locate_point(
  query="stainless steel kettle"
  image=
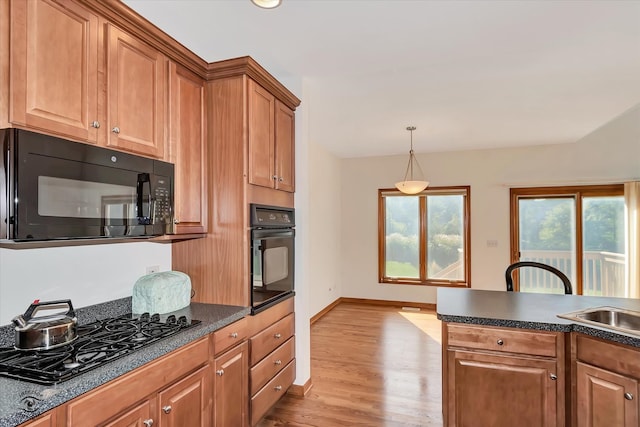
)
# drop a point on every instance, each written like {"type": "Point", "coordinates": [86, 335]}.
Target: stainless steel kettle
{"type": "Point", "coordinates": [45, 332]}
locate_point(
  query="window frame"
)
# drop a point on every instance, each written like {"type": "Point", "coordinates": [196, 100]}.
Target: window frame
{"type": "Point", "coordinates": [422, 226]}
{"type": "Point", "coordinates": [578, 192]}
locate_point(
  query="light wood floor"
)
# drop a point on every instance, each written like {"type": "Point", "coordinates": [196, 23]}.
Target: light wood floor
{"type": "Point", "coordinates": [370, 366]}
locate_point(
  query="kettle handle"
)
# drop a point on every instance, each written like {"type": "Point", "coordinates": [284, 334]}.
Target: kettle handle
{"type": "Point", "coordinates": [28, 315]}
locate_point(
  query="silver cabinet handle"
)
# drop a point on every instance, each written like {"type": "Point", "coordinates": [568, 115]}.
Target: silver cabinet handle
{"type": "Point", "coordinates": [277, 336]}
{"type": "Point", "coordinates": [628, 396]}
{"type": "Point", "coordinates": [278, 388]}
{"type": "Point", "coordinates": [96, 124]}
{"type": "Point", "coordinates": [281, 179]}
{"type": "Point", "coordinates": [166, 409]}
{"type": "Point", "coordinates": [553, 377]}
{"type": "Point", "coordinates": [176, 221]}
{"type": "Point", "coordinates": [277, 362]}
{"type": "Point", "coordinates": [500, 342]}
{"type": "Point", "coordinates": [233, 335]}
{"type": "Point", "coordinates": [116, 130]}
{"type": "Point", "coordinates": [220, 372]}
{"type": "Point", "coordinates": [274, 177]}
{"type": "Point", "coordinates": [148, 423]}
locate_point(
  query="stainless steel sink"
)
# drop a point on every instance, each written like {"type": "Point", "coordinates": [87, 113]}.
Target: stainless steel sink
{"type": "Point", "coordinates": [608, 317]}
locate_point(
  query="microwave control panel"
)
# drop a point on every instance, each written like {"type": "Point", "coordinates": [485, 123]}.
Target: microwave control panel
{"type": "Point", "coordinates": [162, 197]}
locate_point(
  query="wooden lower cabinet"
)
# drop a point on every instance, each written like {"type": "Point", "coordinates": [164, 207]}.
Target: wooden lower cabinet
{"type": "Point", "coordinates": [607, 377]}
{"type": "Point", "coordinates": [502, 377]}
{"type": "Point", "coordinates": [187, 403]}
{"type": "Point", "coordinates": [139, 416]}
{"type": "Point", "coordinates": [46, 420]}
{"type": "Point", "coordinates": [272, 359]}
{"type": "Point", "coordinates": [231, 387]}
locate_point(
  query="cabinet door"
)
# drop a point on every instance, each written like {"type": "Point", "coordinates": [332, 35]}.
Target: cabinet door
{"type": "Point", "coordinates": [261, 136]}
{"type": "Point", "coordinates": [605, 398]}
{"type": "Point", "coordinates": [53, 62]}
{"type": "Point", "coordinates": [187, 149]}
{"type": "Point", "coordinates": [187, 403]}
{"type": "Point", "coordinates": [284, 148]}
{"type": "Point", "coordinates": [46, 420]}
{"type": "Point", "coordinates": [232, 387]}
{"type": "Point", "coordinates": [139, 416]}
{"type": "Point", "coordinates": [501, 390]}
{"type": "Point", "coordinates": [135, 94]}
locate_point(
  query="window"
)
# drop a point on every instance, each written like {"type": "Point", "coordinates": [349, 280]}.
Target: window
{"type": "Point", "coordinates": [423, 239]}
{"type": "Point", "coordinates": [579, 230]}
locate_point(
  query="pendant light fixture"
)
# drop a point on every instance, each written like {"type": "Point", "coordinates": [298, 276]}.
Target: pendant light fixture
{"type": "Point", "coordinates": [412, 184]}
{"type": "Point", "coordinates": [267, 4]}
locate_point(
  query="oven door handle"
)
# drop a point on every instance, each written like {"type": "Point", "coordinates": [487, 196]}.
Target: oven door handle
{"type": "Point", "coordinates": [266, 233]}
{"type": "Point", "coordinates": [142, 218]}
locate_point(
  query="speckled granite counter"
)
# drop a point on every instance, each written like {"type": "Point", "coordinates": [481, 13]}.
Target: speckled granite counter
{"type": "Point", "coordinates": [529, 311]}
{"type": "Point", "coordinates": [21, 401]}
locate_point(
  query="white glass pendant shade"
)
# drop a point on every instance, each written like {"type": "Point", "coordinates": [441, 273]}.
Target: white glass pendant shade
{"type": "Point", "coordinates": [267, 4]}
{"type": "Point", "coordinates": [412, 184]}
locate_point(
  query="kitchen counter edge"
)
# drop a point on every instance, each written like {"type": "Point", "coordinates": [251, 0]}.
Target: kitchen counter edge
{"type": "Point", "coordinates": [529, 311]}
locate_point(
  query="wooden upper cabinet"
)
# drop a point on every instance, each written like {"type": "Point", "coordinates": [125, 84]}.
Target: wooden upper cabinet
{"type": "Point", "coordinates": [285, 148]}
{"type": "Point", "coordinates": [136, 87]}
{"type": "Point", "coordinates": [53, 63]}
{"type": "Point", "coordinates": [261, 136]}
{"type": "Point", "coordinates": [188, 149]}
{"type": "Point", "coordinates": [271, 140]}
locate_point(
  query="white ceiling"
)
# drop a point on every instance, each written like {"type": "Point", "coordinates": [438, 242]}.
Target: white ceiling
{"type": "Point", "coordinates": [467, 74]}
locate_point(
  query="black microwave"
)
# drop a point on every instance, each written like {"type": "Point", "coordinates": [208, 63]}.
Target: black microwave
{"type": "Point", "coordinates": [58, 189]}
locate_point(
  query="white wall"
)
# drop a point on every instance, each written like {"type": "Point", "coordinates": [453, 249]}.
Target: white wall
{"type": "Point", "coordinates": [610, 154]}
{"type": "Point", "coordinates": [85, 274]}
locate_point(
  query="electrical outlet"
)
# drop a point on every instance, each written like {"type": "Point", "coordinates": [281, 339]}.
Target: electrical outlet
{"type": "Point", "coordinates": [153, 269]}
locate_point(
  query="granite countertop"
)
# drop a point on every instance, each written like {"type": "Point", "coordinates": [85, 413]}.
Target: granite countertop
{"type": "Point", "coordinates": [529, 311]}
{"type": "Point", "coordinates": [21, 401]}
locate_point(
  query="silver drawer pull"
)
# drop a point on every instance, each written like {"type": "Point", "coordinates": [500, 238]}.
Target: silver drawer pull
{"type": "Point", "coordinates": [277, 362]}
{"type": "Point", "coordinates": [233, 335]}
{"type": "Point", "coordinates": [277, 336]}
{"type": "Point", "coordinates": [166, 409]}
{"type": "Point", "coordinates": [116, 130]}
{"type": "Point", "coordinates": [278, 388]}
{"type": "Point", "coordinates": [500, 342]}
{"type": "Point", "coordinates": [628, 396]}
{"type": "Point", "coordinates": [96, 124]}
{"type": "Point", "coordinates": [148, 423]}
{"type": "Point", "coordinates": [553, 377]}
{"type": "Point", "coordinates": [220, 372]}
{"type": "Point", "coordinates": [280, 179]}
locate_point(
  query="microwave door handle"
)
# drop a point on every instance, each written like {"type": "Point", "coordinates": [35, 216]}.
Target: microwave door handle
{"type": "Point", "coordinates": [142, 219]}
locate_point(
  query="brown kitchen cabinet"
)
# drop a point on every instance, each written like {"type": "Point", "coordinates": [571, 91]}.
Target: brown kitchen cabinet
{"type": "Point", "coordinates": [606, 383]}
{"type": "Point", "coordinates": [188, 149]}
{"type": "Point", "coordinates": [272, 357]}
{"type": "Point", "coordinates": [271, 140]}
{"type": "Point", "coordinates": [232, 163]}
{"type": "Point", "coordinates": [54, 68]}
{"type": "Point", "coordinates": [231, 375]}
{"type": "Point", "coordinates": [173, 390]}
{"type": "Point", "coordinates": [502, 377]}
{"type": "Point", "coordinates": [46, 420]}
{"type": "Point", "coordinates": [135, 87]}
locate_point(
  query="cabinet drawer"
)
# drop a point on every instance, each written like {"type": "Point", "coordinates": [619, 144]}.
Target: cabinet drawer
{"type": "Point", "coordinates": [272, 364]}
{"type": "Point", "coordinates": [271, 338]}
{"type": "Point", "coordinates": [114, 397]}
{"type": "Point", "coordinates": [605, 354]}
{"type": "Point", "coordinates": [270, 393]}
{"type": "Point", "coordinates": [230, 335]}
{"type": "Point", "coordinates": [521, 341]}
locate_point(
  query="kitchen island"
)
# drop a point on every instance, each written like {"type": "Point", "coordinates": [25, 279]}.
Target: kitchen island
{"type": "Point", "coordinates": [508, 359]}
{"type": "Point", "coordinates": [21, 401]}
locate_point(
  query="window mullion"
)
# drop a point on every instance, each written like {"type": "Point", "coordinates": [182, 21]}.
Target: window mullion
{"type": "Point", "coordinates": [579, 246]}
{"type": "Point", "coordinates": [423, 237]}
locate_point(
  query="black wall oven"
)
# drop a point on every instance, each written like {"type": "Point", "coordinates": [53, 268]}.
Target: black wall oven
{"type": "Point", "coordinates": [58, 189]}
{"type": "Point", "coordinates": [272, 255]}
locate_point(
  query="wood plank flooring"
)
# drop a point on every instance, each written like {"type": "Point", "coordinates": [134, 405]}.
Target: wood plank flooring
{"type": "Point", "coordinates": [370, 366]}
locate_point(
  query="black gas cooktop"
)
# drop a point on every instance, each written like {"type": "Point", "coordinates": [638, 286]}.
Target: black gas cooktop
{"type": "Point", "coordinates": [98, 343]}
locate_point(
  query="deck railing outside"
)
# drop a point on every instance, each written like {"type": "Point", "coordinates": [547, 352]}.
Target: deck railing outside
{"type": "Point", "coordinates": [603, 273]}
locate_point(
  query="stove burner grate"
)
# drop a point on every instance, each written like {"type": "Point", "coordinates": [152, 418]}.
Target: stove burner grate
{"type": "Point", "coordinates": [98, 343]}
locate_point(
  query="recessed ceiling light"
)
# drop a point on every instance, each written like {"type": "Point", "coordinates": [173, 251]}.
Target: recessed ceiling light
{"type": "Point", "coordinates": [267, 4]}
